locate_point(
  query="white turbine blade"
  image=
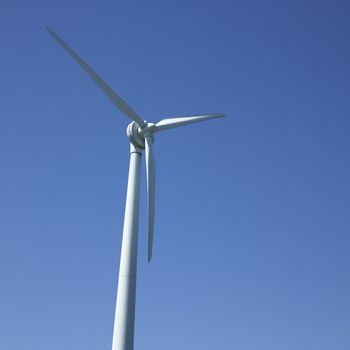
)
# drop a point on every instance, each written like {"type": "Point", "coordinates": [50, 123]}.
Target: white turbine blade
{"type": "Point", "coordinates": [174, 122]}
{"type": "Point", "coordinates": [151, 186]}
{"type": "Point", "coordinates": [114, 97]}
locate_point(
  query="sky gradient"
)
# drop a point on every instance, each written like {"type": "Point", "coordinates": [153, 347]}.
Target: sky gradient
{"type": "Point", "coordinates": [252, 230]}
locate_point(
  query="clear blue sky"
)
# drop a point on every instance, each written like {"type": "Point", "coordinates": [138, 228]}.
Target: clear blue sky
{"type": "Point", "coordinates": [252, 226]}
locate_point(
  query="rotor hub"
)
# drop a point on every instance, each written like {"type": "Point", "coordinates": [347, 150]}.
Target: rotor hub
{"type": "Point", "coordinates": [136, 134]}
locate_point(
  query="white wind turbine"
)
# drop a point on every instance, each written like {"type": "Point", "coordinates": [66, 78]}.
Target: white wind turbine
{"type": "Point", "coordinates": [141, 135]}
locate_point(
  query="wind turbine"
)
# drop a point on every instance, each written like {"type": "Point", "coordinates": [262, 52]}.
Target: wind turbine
{"type": "Point", "coordinates": [141, 135]}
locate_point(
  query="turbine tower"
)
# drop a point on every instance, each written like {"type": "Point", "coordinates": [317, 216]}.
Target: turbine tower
{"type": "Point", "coordinates": [141, 135]}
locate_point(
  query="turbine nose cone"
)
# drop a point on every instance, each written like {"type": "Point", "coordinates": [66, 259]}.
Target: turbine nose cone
{"type": "Point", "coordinates": [151, 127]}
{"type": "Point", "coordinates": [135, 136]}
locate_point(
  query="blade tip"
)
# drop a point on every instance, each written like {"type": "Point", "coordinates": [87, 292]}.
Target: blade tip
{"type": "Point", "coordinates": [150, 253]}
{"type": "Point", "coordinates": [52, 33]}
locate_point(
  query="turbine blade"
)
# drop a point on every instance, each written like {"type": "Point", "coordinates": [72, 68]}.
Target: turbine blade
{"type": "Point", "coordinates": [113, 96]}
{"type": "Point", "coordinates": [174, 122]}
{"type": "Point", "coordinates": [151, 186]}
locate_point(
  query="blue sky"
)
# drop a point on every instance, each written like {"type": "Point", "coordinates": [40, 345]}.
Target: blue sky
{"type": "Point", "coordinates": [252, 226]}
